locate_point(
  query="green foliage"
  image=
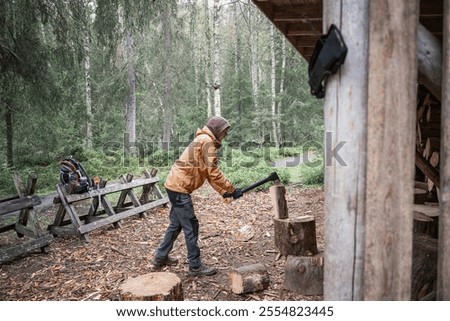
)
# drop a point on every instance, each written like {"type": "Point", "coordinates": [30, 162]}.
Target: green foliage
{"type": "Point", "coordinates": [313, 174]}
{"type": "Point", "coordinates": [42, 79]}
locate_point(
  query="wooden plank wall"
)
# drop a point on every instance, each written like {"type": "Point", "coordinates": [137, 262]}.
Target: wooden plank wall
{"type": "Point", "coordinates": [392, 95]}
{"type": "Point", "coordinates": [443, 287]}
{"type": "Point", "coordinates": [345, 123]}
{"type": "Point", "coordinates": [370, 104]}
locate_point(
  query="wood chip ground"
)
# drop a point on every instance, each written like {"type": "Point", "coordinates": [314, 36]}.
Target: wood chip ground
{"type": "Point", "coordinates": [73, 270]}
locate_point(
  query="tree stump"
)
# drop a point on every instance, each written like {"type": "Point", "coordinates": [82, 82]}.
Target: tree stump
{"type": "Point", "coordinates": [304, 274]}
{"type": "Point", "coordinates": [250, 278]}
{"type": "Point", "coordinates": [278, 196]}
{"type": "Point", "coordinates": [296, 236]}
{"type": "Point", "coordinates": [156, 286]}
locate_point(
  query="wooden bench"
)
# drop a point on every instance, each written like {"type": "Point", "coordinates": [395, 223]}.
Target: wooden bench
{"type": "Point", "coordinates": [83, 223]}
{"type": "Point", "coordinates": [26, 223]}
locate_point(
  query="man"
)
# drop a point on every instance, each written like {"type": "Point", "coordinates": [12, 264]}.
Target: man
{"type": "Point", "coordinates": [198, 163]}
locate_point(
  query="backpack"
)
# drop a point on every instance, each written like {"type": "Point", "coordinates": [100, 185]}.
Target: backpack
{"type": "Point", "coordinates": [74, 177]}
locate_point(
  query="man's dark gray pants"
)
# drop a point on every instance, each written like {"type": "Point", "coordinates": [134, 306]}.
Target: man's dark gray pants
{"type": "Point", "coordinates": [182, 217]}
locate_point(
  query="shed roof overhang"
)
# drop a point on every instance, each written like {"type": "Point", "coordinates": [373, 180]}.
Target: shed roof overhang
{"type": "Point", "coordinates": [301, 20]}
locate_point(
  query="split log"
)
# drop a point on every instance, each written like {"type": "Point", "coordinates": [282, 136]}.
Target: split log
{"type": "Point", "coordinates": [427, 169]}
{"type": "Point", "coordinates": [304, 274]}
{"type": "Point", "coordinates": [424, 266]}
{"type": "Point", "coordinates": [248, 279]}
{"type": "Point", "coordinates": [296, 236]}
{"type": "Point", "coordinates": [245, 234]}
{"type": "Point", "coordinates": [431, 145]}
{"type": "Point", "coordinates": [278, 195]}
{"type": "Point", "coordinates": [156, 286]}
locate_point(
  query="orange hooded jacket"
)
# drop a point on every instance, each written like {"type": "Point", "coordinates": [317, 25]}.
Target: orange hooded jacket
{"type": "Point", "coordinates": [198, 163]}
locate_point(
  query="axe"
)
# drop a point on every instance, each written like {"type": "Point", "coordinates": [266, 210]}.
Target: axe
{"type": "Point", "coordinates": [272, 177]}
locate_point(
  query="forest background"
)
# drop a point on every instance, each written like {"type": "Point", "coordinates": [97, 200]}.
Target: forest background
{"type": "Point", "coordinates": [123, 86]}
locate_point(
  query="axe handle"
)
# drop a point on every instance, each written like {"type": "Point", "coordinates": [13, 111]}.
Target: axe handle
{"type": "Point", "coordinates": [271, 177]}
{"type": "Point", "coordinates": [255, 185]}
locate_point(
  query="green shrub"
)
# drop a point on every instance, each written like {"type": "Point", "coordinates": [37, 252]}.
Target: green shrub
{"type": "Point", "coordinates": [312, 175]}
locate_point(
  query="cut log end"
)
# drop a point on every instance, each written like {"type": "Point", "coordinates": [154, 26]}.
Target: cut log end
{"type": "Point", "coordinates": [248, 279]}
{"type": "Point", "coordinates": [156, 286]}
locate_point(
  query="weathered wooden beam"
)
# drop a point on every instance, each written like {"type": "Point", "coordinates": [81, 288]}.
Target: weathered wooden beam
{"type": "Point", "coordinates": [11, 253]}
{"type": "Point", "coordinates": [392, 91]}
{"type": "Point", "coordinates": [111, 189]}
{"type": "Point", "coordinates": [443, 282]}
{"type": "Point", "coordinates": [19, 203]}
{"type": "Point", "coordinates": [345, 125]}
{"type": "Point", "coordinates": [83, 229]}
{"type": "Point", "coordinates": [429, 57]}
{"type": "Point", "coordinates": [299, 13]}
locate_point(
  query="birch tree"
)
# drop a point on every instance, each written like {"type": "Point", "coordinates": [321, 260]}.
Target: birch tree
{"type": "Point", "coordinates": [87, 73]}
{"type": "Point", "coordinates": [130, 137]}
{"type": "Point", "coordinates": [281, 89]}
{"type": "Point", "coordinates": [217, 64]}
{"type": "Point", "coordinates": [254, 64]}
{"type": "Point", "coordinates": [207, 58]}
{"type": "Point", "coordinates": [273, 89]}
{"type": "Point", "coordinates": [168, 108]}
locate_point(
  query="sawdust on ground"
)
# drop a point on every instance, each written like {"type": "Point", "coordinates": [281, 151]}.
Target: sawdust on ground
{"type": "Point", "coordinates": [74, 270]}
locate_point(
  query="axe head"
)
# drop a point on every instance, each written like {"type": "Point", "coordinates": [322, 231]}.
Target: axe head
{"type": "Point", "coordinates": [274, 177]}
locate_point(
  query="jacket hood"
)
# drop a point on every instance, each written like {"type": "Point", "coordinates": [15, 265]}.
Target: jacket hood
{"type": "Point", "coordinates": [217, 125]}
{"type": "Point", "coordinates": [206, 131]}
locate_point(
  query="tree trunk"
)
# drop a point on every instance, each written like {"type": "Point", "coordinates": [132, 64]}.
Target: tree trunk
{"type": "Point", "coordinates": [130, 138]}
{"type": "Point", "coordinates": [281, 91]}
{"type": "Point", "coordinates": [273, 87]}
{"type": "Point", "coordinates": [207, 57]}
{"type": "Point", "coordinates": [304, 274]}
{"type": "Point", "coordinates": [254, 68]}
{"type": "Point", "coordinates": [87, 78]}
{"type": "Point", "coordinates": [217, 61]}
{"type": "Point", "coordinates": [250, 278]}
{"type": "Point", "coordinates": [156, 286]}
{"type": "Point", "coordinates": [194, 40]}
{"type": "Point", "coordinates": [168, 108]}
{"type": "Point", "coordinates": [9, 135]}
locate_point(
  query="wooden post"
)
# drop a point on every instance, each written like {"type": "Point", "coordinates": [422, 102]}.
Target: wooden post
{"type": "Point", "coordinates": [345, 145]}
{"type": "Point", "coordinates": [250, 278]}
{"type": "Point", "coordinates": [392, 95]}
{"type": "Point", "coordinates": [443, 288]}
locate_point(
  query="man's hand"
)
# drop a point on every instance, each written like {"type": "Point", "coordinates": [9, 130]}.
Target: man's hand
{"type": "Point", "coordinates": [237, 193]}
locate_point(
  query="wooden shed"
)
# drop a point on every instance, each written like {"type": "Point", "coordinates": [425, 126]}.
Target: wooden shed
{"type": "Point", "coordinates": [387, 113]}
